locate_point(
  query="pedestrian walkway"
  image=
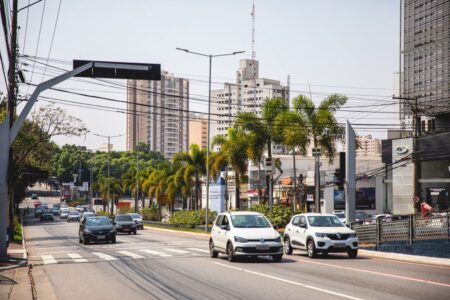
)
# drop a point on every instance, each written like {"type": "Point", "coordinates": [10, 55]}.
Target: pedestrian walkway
{"type": "Point", "coordinates": [114, 255]}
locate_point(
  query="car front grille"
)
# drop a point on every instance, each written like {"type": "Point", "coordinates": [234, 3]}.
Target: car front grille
{"type": "Point", "coordinates": [254, 250]}
{"type": "Point", "coordinates": [336, 237]}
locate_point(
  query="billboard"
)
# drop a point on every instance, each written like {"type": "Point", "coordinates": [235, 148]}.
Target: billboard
{"type": "Point", "coordinates": [365, 199]}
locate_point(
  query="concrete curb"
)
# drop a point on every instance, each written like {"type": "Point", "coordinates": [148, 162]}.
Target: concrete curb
{"type": "Point", "coordinates": [20, 264]}
{"type": "Point", "coordinates": [199, 234]}
{"type": "Point", "coordinates": [426, 260]}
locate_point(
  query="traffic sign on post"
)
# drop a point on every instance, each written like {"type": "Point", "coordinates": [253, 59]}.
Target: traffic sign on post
{"type": "Point", "coordinates": [269, 165]}
{"type": "Point", "coordinates": [316, 152]}
{"type": "Point", "coordinates": [119, 70]}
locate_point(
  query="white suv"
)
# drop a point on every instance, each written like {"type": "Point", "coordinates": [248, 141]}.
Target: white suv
{"type": "Point", "coordinates": [319, 233]}
{"type": "Point", "coordinates": [244, 234]}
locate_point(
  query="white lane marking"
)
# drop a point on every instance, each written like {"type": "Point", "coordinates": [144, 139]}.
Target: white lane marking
{"type": "Point", "coordinates": [131, 254]}
{"type": "Point", "coordinates": [291, 282]}
{"type": "Point", "coordinates": [377, 273]}
{"type": "Point", "coordinates": [48, 259]}
{"type": "Point", "coordinates": [199, 250]}
{"type": "Point", "coordinates": [177, 251]}
{"type": "Point", "coordinates": [104, 256]}
{"type": "Point", "coordinates": [156, 253]}
{"type": "Point", "coordinates": [77, 257]}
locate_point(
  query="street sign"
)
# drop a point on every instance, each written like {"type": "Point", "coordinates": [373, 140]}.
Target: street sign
{"type": "Point", "coordinates": [269, 165]}
{"type": "Point", "coordinates": [119, 70]}
{"type": "Point", "coordinates": [316, 152]}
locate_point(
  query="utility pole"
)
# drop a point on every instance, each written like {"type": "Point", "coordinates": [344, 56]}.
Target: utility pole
{"type": "Point", "coordinates": [136, 203]}
{"type": "Point", "coordinates": [316, 153]}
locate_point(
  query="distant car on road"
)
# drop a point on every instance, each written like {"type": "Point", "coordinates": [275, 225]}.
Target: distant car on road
{"type": "Point", "coordinates": [244, 234]}
{"type": "Point", "coordinates": [96, 229]}
{"type": "Point", "coordinates": [34, 196]}
{"type": "Point", "coordinates": [382, 217]}
{"type": "Point", "coordinates": [38, 211]}
{"type": "Point", "coordinates": [340, 214]}
{"type": "Point", "coordinates": [125, 223]}
{"type": "Point", "coordinates": [73, 216]}
{"type": "Point", "coordinates": [47, 215]}
{"type": "Point", "coordinates": [87, 214]}
{"type": "Point", "coordinates": [79, 208]}
{"type": "Point", "coordinates": [137, 218]}
{"type": "Point", "coordinates": [55, 211]}
{"type": "Point", "coordinates": [361, 217]}
{"type": "Point", "coordinates": [37, 203]}
{"type": "Point", "coordinates": [319, 233]}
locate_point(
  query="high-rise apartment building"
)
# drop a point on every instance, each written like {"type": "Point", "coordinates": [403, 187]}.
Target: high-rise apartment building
{"type": "Point", "coordinates": [158, 114]}
{"type": "Point", "coordinates": [198, 130]}
{"type": "Point", "coordinates": [245, 95]}
{"type": "Point", "coordinates": [426, 52]}
{"type": "Point", "coordinates": [368, 146]}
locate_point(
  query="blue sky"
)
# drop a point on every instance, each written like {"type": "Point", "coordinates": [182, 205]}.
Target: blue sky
{"type": "Point", "coordinates": [346, 46]}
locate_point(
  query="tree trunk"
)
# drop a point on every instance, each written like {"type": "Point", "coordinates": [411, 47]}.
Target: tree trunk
{"type": "Point", "coordinates": [259, 182]}
{"type": "Point", "coordinates": [236, 190]}
{"type": "Point", "coordinates": [197, 183]}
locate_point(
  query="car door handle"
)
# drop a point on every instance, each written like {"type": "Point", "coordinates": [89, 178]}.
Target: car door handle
{"type": "Point", "coordinates": [297, 231]}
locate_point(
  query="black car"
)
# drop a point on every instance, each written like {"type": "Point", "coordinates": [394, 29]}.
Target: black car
{"type": "Point", "coordinates": [38, 211]}
{"type": "Point", "coordinates": [55, 211]}
{"type": "Point", "coordinates": [96, 229]}
{"type": "Point", "coordinates": [125, 223]}
{"type": "Point", "coordinates": [47, 215]}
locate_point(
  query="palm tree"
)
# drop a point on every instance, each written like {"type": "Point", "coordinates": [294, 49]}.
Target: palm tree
{"type": "Point", "coordinates": [194, 163]}
{"type": "Point", "coordinates": [233, 150]}
{"type": "Point", "coordinates": [324, 130]}
{"type": "Point", "coordinates": [109, 189]}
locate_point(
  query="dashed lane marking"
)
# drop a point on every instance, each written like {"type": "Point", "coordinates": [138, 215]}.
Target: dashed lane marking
{"type": "Point", "coordinates": [77, 257]}
{"type": "Point", "coordinates": [291, 282]}
{"type": "Point", "coordinates": [156, 253]}
{"type": "Point", "coordinates": [104, 256]}
{"type": "Point", "coordinates": [199, 250]}
{"type": "Point", "coordinates": [131, 254]}
{"type": "Point", "coordinates": [177, 251]}
{"type": "Point", "coordinates": [48, 259]}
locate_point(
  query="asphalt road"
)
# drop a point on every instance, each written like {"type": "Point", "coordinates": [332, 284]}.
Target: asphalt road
{"type": "Point", "coordinates": [158, 264]}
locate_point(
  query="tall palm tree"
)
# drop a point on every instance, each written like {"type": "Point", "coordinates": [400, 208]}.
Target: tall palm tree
{"type": "Point", "coordinates": [194, 163]}
{"type": "Point", "coordinates": [112, 185]}
{"type": "Point", "coordinates": [324, 130]}
{"type": "Point", "coordinates": [233, 150]}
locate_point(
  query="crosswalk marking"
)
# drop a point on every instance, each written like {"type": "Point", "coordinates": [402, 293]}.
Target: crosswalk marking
{"type": "Point", "coordinates": [130, 254]}
{"type": "Point", "coordinates": [48, 259]}
{"type": "Point", "coordinates": [177, 251]}
{"type": "Point", "coordinates": [155, 253]}
{"type": "Point", "coordinates": [199, 250]}
{"type": "Point", "coordinates": [104, 256]}
{"type": "Point", "coordinates": [77, 257]}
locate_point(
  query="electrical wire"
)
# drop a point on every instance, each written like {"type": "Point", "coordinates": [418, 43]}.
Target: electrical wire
{"type": "Point", "coordinates": [53, 37]}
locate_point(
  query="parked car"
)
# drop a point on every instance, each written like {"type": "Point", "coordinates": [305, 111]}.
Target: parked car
{"type": "Point", "coordinates": [361, 217]}
{"type": "Point", "coordinates": [125, 223]}
{"type": "Point", "coordinates": [244, 234]}
{"type": "Point", "coordinates": [47, 215]}
{"type": "Point", "coordinates": [37, 203]}
{"type": "Point", "coordinates": [34, 196]}
{"type": "Point", "coordinates": [64, 212]}
{"type": "Point", "coordinates": [382, 217]}
{"type": "Point", "coordinates": [340, 214]}
{"type": "Point", "coordinates": [87, 214]}
{"type": "Point", "coordinates": [73, 216]}
{"type": "Point", "coordinates": [96, 229]}
{"type": "Point", "coordinates": [55, 211]}
{"type": "Point", "coordinates": [319, 233]}
{"type": "Point", "coordinates": [38, 211]}
{"type": "Point", "coordinates": [138, 219]}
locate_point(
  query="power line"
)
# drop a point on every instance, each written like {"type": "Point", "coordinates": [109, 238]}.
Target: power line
{"type": "Point", "coordinates": [53, 37]}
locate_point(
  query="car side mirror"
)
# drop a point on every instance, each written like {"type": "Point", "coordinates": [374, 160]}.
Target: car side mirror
{"type": "Point", "coordinates": [224, 227]}
{"type": "Point", "coordinates": [302, 225]}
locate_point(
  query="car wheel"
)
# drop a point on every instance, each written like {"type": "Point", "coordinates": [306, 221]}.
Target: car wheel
{"type": "Point", "coordinates": [277, 258]}
{"type": "Point", "coordinates": [352, 253]}
{"type": "Point", "coordinates": [129, 232]}
{"type": "Point", "coordinates": [311, 249]}
{"type": "Point", "coordinates": [113, 240]}
{"type": "Point", "coordinates": [135, 231]}
{"type": "Point", "coordinates": [230, 252]}
{"type": "Point", "coordinates": [80, 240]}
{"type": "Point", "coordinates": [86, 241]}
{"type": "Point", "coordinates": [287, 246]}
{"type": "Point", "coordinates": [212, 252]}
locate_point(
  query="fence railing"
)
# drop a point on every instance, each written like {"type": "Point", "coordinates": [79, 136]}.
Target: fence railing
{"type": "Point", "coordinates": [408, 230]}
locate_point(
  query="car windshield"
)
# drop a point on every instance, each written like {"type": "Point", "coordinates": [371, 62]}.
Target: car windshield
{"type": "Point", "coordinates": [249, 221]}
{"type": "Point", "coordinates": [74, 213]}
{"type": "Point", "coordinates": [124, 218]}
{"type": "Point", "coordinates": [137, 216]}
{"type": "Point", "coordinates": [88, 213]}
{"type": "Point", "coordinates": [361, 216]}
{"type": "Point", "coordinates": [339, 215]}
{"type": "Point", "coordinates": [97, 221]}
{"type": "Point", "coordinates": [325, 221]}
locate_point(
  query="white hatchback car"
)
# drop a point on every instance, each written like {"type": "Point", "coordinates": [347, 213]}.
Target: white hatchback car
{"type": "Point", "coordinates": [319, 233]}
{"type": "Point", "coordinates": [244, 234]}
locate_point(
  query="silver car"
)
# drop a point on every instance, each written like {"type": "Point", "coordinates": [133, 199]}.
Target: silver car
{"type": "Point", "coordinates": [138, 219]}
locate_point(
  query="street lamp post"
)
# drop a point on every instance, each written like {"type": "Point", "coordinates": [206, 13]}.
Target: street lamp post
{"type": "Point", "coordinates": [210, 56]}
{"type": "Point", "coordinates": [109, 142]}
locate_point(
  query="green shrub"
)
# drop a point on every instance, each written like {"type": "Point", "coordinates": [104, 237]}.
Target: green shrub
{"type": "Point", "coordinates": [103, 213]}
{"type": "Point", "coordinates": [125, 210]}
{"type": "Point", "coordinates": [150, 213]}
{"type": "Point", "coordinates": [17, 235]}
{"type": "Point", "coordinates": [190, 218]}
{"type": "Point", "coordinates": [281, 215]}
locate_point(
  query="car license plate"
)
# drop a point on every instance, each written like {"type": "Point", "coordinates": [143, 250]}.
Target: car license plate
{"type": "Point", "coordinates": [339, 245]}
{"type": "Point", "coordinates": [262, 247]}
{"type": "Point", "coordinates": [100, 237]}
{"type": "Point", "coordinates": [125, 229]}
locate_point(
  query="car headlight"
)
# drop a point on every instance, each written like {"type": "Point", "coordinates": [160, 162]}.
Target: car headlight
{"type": "Point", "coordinates": [321, 235]}
{"type": "Point", "coordinates": [278, 239]}
{"type": "Point", "coordinates": [353, 235]}
{"type": "Point", "coordinates": [240, 239]}
{"type": "Point", "coordinates": [87, 231]}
